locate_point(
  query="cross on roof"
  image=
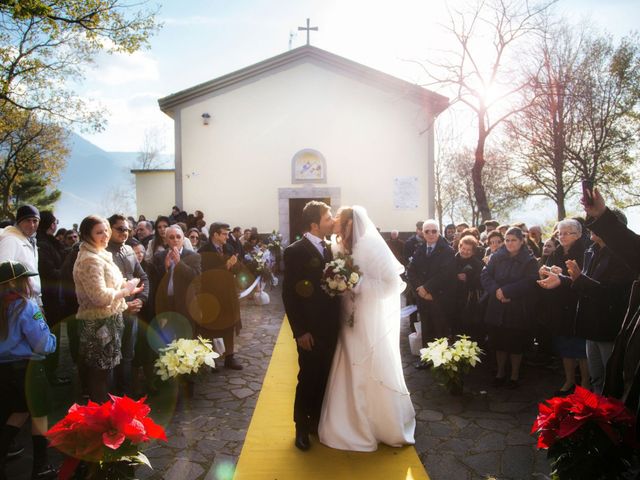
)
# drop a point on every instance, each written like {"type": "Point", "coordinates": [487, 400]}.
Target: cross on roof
{"type": "Point", "coordinates": [308, 29]}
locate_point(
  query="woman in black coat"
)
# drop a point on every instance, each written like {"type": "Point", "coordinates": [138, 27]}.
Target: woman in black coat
{"type": "Point", "coordinates": [560, 302]}
{"type": "Point", "coordinates": [509, 282]}
{"type": "Point", "coordinates": [468, 288]}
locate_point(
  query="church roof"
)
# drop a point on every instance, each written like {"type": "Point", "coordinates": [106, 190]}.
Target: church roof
{"type": "Point", "coordinates": [434, 102]}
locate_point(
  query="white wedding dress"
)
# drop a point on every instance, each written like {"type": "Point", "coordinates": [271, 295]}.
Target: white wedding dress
{"type": "Point", "coordinates": [366, 401]}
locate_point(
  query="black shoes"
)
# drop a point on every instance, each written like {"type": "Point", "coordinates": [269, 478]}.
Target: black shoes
{"type": "Point", "coordinates": [44, 472]}
{"type": "Point", "coordinates": [564, 393]}
{"type": "Point", "coordinates": [15, 449]}
{"type": "Point", "coordinates": [232, 363]}
{"type": "Point", "coordinates": [302, 440]}
{"type": "Point", "coordinates": [60, 381]}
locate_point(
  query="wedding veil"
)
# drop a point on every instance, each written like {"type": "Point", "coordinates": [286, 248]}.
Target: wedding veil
{"type": "Point", "coordinates": [377, 304]}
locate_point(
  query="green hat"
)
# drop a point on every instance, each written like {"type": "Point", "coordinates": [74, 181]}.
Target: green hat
{"type": "Point", "coordinates": [11, 270]}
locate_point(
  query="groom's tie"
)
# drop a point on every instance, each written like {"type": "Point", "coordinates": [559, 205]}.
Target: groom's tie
{"type": "Point", "coordinates": [325, 251]}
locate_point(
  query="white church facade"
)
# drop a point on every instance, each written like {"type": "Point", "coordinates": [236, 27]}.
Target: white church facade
{"type": "Point", "coordinates": [253, 146]}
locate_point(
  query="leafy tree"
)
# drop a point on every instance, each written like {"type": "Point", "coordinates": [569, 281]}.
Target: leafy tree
{"type": "Point", "coordinates": [44, 45]}
{"type": "Point", "coordinates": [30, 150]}
{"type": "Point", "coordinates": [32, 188]}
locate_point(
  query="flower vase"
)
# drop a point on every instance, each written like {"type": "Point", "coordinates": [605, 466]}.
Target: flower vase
{"type": "Point", "coordinates": [105, 471]}
{"type": "Point", "coordinates": [456, 386]}
{"type": "Point", "coordinates": [186, 386]}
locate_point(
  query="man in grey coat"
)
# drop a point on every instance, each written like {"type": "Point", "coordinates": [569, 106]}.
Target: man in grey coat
{"type": "Point", "coordinates": [125, 258]}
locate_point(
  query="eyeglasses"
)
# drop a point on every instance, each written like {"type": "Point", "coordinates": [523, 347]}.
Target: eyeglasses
{"type": "Point", "coordinates": [122, 229]}
{"type": "Point", "coordinates": [430, 231]}
{"type": "Point", "coordinates": [194, 237]}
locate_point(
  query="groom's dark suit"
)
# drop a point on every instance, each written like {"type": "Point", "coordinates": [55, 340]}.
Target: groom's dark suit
{"type": "Point", "coordinates": [309, 310]}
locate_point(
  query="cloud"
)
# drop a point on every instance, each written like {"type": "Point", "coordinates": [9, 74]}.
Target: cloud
{"type": "Point", "coordinates": [119, 69]}
{"type": "Point", "coordinates": [194, 20]}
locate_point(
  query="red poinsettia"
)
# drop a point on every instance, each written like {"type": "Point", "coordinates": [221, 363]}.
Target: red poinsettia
{"type": "Point", "coordinates": [104, 433]}
{"type": "Point", "coordinates": [561, 417]}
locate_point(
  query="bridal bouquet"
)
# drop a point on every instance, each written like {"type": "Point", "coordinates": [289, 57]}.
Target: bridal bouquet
{"type": "Point", "coordinates": [587, 435]}
{"type": "Point", "coordinates": [451, 362]}
{"type": "Point", "coordinates": [340, 275]}
{"type": "Point", "coordinates": [105, 438]}
{"type": "Point", "coordinates": [185, 357]}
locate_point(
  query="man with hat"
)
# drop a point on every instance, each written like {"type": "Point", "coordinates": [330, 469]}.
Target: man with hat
{"type": "Point", "coordinates": [18, 243]}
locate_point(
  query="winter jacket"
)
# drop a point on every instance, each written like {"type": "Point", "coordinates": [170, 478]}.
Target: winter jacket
{"type": "Point", "coordinates": [603, 289]}
{"type": "Point", "coordinates": [516, 276]}
{"type": "Point", "coordinates": [97, 280]}
{"type": "Point", "coordinates": [28, 334]}
{"type": "Point", "coordinates": [15, 246]}
{"type": "Point", "coordinates": [559, 305]}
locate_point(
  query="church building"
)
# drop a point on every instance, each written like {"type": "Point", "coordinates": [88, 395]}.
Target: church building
{"type": "Point", "coordinates": [252, 147]}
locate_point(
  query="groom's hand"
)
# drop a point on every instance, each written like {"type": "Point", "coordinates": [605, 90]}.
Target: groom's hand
{"type": "Point", "coordinates": [305, 341]}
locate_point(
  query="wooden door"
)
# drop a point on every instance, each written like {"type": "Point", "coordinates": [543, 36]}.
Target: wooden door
{"type": "Point", "coordinates": [296, 228]}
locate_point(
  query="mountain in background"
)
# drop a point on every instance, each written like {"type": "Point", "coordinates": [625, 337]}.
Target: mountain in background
{"type": "Point", "coordinates": [96, 181]}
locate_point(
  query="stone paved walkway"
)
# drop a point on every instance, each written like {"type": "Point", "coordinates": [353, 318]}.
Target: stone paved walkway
{"type": "Point", "coordinates": [480, 435]}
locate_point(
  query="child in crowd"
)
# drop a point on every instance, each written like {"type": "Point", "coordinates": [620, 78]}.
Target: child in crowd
{"type": "Point", "coordinates": [25, 339]}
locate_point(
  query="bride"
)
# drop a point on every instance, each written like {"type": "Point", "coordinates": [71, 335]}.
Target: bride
{"type": "Point", "coordinates": [366, 401]}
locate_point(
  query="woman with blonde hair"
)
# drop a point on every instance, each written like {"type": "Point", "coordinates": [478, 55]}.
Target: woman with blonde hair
{"type": "Point", "coordinates": [101, 291]}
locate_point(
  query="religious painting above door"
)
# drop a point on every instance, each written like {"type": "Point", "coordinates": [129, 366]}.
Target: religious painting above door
{"type": "Point", "coordinates": [308, 166]}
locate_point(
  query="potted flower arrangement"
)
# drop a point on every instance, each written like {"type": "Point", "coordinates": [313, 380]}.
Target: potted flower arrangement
{"type": "Point", "coordinates": [451, 362]}
{"type": "Point", "coordinates": [102, 442]}
{"type": "Point", "coordinates": [182, 360]}
{"type": "Point", "coordinates": [587, 436]}
{"type": "Point", "coordinates": [340, 276]}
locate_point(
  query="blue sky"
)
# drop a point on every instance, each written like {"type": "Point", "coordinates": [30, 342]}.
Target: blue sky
{"type": "Point", "coordinates": [203, 39]}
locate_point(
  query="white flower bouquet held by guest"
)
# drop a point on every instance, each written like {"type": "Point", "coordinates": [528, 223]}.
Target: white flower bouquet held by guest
{"type": "Point", "coordinates": [185, 357]}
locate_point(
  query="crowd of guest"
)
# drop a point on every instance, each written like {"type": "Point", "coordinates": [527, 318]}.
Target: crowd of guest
{"type": "Point", "coordinates": [521, 295]}
{"type": "Point", "coordinates": [124, 288]}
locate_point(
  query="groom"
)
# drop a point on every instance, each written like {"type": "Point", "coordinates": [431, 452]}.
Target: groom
{"type": "Point", "coordinates": [313, 316]}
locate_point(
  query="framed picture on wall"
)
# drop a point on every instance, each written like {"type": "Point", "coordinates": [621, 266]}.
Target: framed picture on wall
{"type": "Point", "coordinates": [308, 166]}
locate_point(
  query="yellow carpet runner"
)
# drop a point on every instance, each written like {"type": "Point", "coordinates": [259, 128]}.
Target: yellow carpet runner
{"type": "Point", "coordinates": [268, 452]}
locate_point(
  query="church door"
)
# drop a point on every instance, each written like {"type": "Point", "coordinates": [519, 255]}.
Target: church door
{"type": "Point", "coordinates": [296, 228]}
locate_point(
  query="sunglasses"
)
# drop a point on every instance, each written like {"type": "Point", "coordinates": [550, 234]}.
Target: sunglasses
{"type": "Point", "coordinates": [194, 237]}
{"type": "Point", "coordinates": [430, 231]}
{"type": "Point", "coordinates": [122, 229]}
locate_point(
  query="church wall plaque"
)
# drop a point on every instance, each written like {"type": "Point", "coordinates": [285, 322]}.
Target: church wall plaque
{"type": "Point", "coordinates": [308, 166]}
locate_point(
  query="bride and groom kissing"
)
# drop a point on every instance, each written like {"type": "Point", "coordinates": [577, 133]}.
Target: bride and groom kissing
{"type": "Point", "coordinates": [351, 390]}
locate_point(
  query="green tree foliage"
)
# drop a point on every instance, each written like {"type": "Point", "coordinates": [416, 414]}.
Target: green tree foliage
{"type": "Point", "coordinates": [32, 153]}
{"type": "Point", "coordinates": [32, 188]}
{"type": "Point", "coordinates": [44, 46]}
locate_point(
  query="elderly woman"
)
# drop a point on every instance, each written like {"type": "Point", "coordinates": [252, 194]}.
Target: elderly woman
{"type": "Point", "coordinates": [495, 240]}
{"type": "Point", "coordinates": [560, 301]}
{"type": "Point", "coordinates": [101, 291]}
{"type": "Point", "coordinates": [509, 281]}
{"type": "Point", "coordinates": [468, 288]}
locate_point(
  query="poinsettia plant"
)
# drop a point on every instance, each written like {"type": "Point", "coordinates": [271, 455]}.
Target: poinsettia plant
{"type": "Point", "coordinates": [107, 435]}
{"type": "Point", "coordinates": [587, 436]}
